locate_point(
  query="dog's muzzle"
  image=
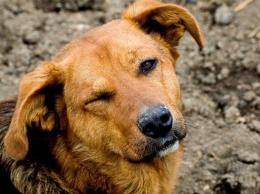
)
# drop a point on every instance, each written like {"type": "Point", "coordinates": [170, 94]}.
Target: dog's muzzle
{"type": "Point", "coordinates": [157, 124]}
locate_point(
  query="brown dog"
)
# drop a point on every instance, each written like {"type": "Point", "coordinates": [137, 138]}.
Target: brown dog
{"type": "Point", "coordinates": [104, 116]}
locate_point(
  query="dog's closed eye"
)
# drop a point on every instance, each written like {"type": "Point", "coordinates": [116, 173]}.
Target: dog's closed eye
{"type": "Point", "coordinates": [97, 105]}
{"type": "Point", "coordinates": [104, 96]}
{"type": "Point", "coordinates": [147, 66]}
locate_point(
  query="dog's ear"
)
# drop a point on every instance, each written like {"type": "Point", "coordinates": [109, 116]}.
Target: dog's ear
{"type": "Point", "coordinates": [166, 20]}
{"type": "Point", "coordinates": [36, 108]}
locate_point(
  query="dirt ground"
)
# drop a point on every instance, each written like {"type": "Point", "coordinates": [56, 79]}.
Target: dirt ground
{"type": "Point", "coordinates": [220, 84]}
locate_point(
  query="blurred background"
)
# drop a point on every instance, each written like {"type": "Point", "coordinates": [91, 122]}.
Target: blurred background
{"type": "Point", "coordinates": [220, 84]}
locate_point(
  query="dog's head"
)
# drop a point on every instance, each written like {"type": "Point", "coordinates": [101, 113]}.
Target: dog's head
{"type": "Point", "coordinates": [113, 90]}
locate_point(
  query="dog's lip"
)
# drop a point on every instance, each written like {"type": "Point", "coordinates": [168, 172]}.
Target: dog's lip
{"type": "Point", "coordinates": [161, 148]}
{"type": "Point", "coordinates": [165, 146]}
{"type": "Point", "coordinates": [169, 147]}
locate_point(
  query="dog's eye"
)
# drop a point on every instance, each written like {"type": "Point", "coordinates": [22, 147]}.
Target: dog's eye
{"type": "Point", "coordinates": [104, 96]}
{"type": "Point", "coordinates": [148, 65]}
{"type": "Point", "coordinates": [101, 97]}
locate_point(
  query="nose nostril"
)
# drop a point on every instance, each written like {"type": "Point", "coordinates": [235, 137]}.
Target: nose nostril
{"type": "Point", "coordinates": [165, 118]}
{"type": "Point", "coordinates": [150, 129]}
{"type": "Point", "coordinates": [165, 122]}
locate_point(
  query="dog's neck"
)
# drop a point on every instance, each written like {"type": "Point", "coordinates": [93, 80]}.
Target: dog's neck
{"type": "Point", "coordinates": [86, 176]}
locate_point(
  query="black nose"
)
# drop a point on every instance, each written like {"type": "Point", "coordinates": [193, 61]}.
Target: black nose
{"type": "Point", "coordinates": [155, 122]}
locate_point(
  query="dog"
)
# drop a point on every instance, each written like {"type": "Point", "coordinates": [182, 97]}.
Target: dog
{"type": "Point", "coordinates": [105, 114]}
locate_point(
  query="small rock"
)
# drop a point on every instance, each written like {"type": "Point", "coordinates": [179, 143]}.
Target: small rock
{"type": "Point", "coordinates": [256, 125]}
{"type": "Point", "coordinates": [207, 79]}
{"type": "Point", "coordinates": [256, 103]}
{"type": "Point", "coordinates": [257, 91]}
{"type": "Point", "coordinates": [206, 188]}
{"type": "Point", "coordinates": [248, 156]}
{"type": "Point", "coordinates": [249, 96]}
{"type": "Point", "coordinates": [241, 120]}
{"type": "Point", "coordinates": [31, 37]}
{"type": "Point", "coordinates": [234, 101]}
{"type": "Point", "coordinates": [256, 85]}
{"type": "Point", "coordinates": [242, 104]}
{"type": "Point", "coordinates": [208, 50]}
{"type": "Point", "coordinates": [230, 181]}
{"type": "Point", "coordinates": [231, 113]}
{"type": "Point", "coordinates": [224, 15]}
{"type": "Point", "coordinates": [224, 73]}
{"type": "Point", "coordinates": [219, 45]}
{"type": "Point", "coordinates": [223, 100]}
{"type": "Point", "coordinates": [210, 66]}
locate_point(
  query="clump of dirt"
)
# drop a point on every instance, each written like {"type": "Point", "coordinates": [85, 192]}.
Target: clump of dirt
{"type": "Point", "coordinates": [220, 84]}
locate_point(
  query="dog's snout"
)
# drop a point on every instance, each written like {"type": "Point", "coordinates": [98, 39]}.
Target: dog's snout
{"type": "Point", "coordinates": [155, 122]}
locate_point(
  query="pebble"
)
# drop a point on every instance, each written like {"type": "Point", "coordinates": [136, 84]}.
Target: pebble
{"type": "Point", "coordinates": [256, 103]}
{"type": "Point", "coordinates": [230, 181]}
{"type": "Point", "coordinates": [256, 85]}
{"type": "Point", "coordinates": [223, 100]}
{"type": "Point", "coordinates": [207, 79]}
{"type": "Point", "coordinates": [209, 65]}
{"type": "Point", "coordinates": [241, 120]}
{"type": "Point", "coordinates": [256, 125]}
{"type": "Point", "coordinates": [231, 113]}
{"type": "Point", "coordinates": [224, 15]}
{"type": "Point", "coordinates": [31, 37]}
{"type": "Point", "coordinates": [219, 45]}
{"type": "Point", "coordinates": [242, 104]}
{"type": "Point", "coordinates": [248, 156]}
{"type": "Point", "coordinates": [249, 96]}
{"type": "Point", "coordinates": [224, 73]}
{"type": "Point", "coordinates": [206, 188]}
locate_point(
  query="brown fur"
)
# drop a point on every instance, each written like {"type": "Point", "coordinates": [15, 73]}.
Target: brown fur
{"type": "Point", "coordinates": [74, 127]}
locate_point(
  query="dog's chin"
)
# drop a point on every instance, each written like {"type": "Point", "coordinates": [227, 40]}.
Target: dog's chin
{"type": "Point", "coordinates": [156, 151]}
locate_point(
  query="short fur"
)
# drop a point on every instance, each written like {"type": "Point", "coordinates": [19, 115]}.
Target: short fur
{"type": "Point", "coordinates": [73, 127]}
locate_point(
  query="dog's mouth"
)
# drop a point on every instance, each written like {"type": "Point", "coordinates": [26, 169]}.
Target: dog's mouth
{"type": "Point", "coordinates": [157, 149]}
{"type": "Point", "coordinates": [169, 146]}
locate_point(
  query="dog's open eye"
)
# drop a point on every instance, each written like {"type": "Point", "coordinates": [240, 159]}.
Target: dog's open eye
{"type": "Point", "coordinates": [148, 65]}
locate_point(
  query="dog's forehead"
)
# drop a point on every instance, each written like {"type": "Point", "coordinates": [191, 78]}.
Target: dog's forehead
{"type": "Point", "coordinates": [117, 38]}
{"type": "Point", "coordinates": [113, 45]}
{"type": "Point", "coordinates": [119, 31]}
{"type": "Point", "coordinates": [114, 38]}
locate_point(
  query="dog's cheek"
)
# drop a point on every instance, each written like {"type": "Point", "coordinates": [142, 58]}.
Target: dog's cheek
{"type": "Point", "coordinates": [89, 128]}
{"type": "Point", "coordinates": [124, 140]}
{"type": "Point", "coordinates": [114, 137]}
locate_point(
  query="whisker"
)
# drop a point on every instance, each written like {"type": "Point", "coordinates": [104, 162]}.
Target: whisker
{"type": "Point", "coordinates": [192, 128]}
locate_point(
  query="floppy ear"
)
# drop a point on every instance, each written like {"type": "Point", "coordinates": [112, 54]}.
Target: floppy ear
{"type": "Point", "coordinates": [36, 108]}
{"type": "Point", "coordinates": [166, 20]}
